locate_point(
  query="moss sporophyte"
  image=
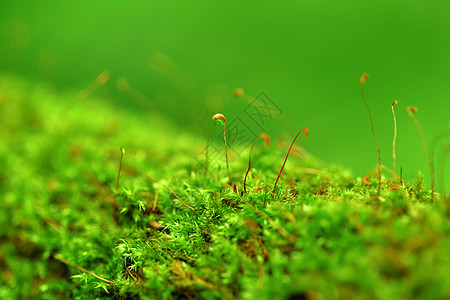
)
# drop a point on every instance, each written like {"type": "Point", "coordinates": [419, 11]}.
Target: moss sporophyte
{"type": "Point", "coordinates": [362, 83]}
{"type": "Point", "coordinates": [266, 142]}
{"type": "Point", "coordinates": [287, 155]}
{"type": "Point", "coordinates": [394, 156]}
{"type": "Point", "coordinates": [412, 112]}
{"type": "Point", "coordinates": [221, 119]}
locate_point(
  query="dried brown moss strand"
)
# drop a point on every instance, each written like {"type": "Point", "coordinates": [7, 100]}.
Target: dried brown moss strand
{"type": "Point", "coordinates": [81, 269]}
{"type": "Point", "coordinates": [170, 191]}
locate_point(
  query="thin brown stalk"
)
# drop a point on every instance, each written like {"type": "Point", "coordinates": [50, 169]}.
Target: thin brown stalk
{"type": "Point", "coordinates": [412, 111]}
{"type": "Point", "coordinates": [249, 165]}
{"type": "Point", "coordinates": [394, 156]}
{"type": "Point", "coordinates": [129, 273]}
{"type": "Point", "coordinates": [222, 117]}
{"type": "Point", "coordinates": [362, 81]}
{"type": "Point", "coordinates": [267, 141]}
{"type": "Point", "coordinates": [93, 86]}
{"type": "Point", "coordinates": [81, 269]}
{"type": "Point", "coordinates": [170, 191]}
{"type": "Point", "coordinates": [226, 155]}
{"type": "Point", "coordinates": [155, 201]}
{"type": "Point", "coordinates": [287, 155]}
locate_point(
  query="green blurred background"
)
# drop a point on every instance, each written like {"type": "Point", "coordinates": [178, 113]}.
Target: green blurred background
{"type": "Point", "coordinates": [186, 58]}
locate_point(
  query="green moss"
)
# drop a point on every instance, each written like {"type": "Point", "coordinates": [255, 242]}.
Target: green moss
{"type": "Point", "coordinates": [59, 209]}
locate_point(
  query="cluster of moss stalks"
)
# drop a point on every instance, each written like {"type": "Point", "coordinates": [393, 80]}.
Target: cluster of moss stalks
{"type": "Point", "coordinates": [66, 232]}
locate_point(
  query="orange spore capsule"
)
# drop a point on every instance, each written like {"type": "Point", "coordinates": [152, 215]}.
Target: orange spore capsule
{"type": "Point", "coordinates": [266, 138]}
{"type": "Point", "coordinates": [364, 78]}
{"type": "Point", "coordinates": [238, 92]}
{"type": "Point", "coordinates": [218, 116]}
{"type": "Point", "coordinates": [412, 109]}
{"type": "Point", "coordinates": [306, 131]}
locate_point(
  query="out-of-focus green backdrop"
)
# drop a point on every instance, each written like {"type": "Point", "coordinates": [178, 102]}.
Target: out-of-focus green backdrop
{"type": "Point", "coordinates": [307, 56]}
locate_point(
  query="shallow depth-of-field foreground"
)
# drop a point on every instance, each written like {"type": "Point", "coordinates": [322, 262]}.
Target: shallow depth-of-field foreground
{"type": "Point", "coordinates": [66, 231]}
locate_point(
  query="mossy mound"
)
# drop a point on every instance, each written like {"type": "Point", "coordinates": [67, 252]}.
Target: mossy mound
{"type": "Point", "coordinates": [322, 234]}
